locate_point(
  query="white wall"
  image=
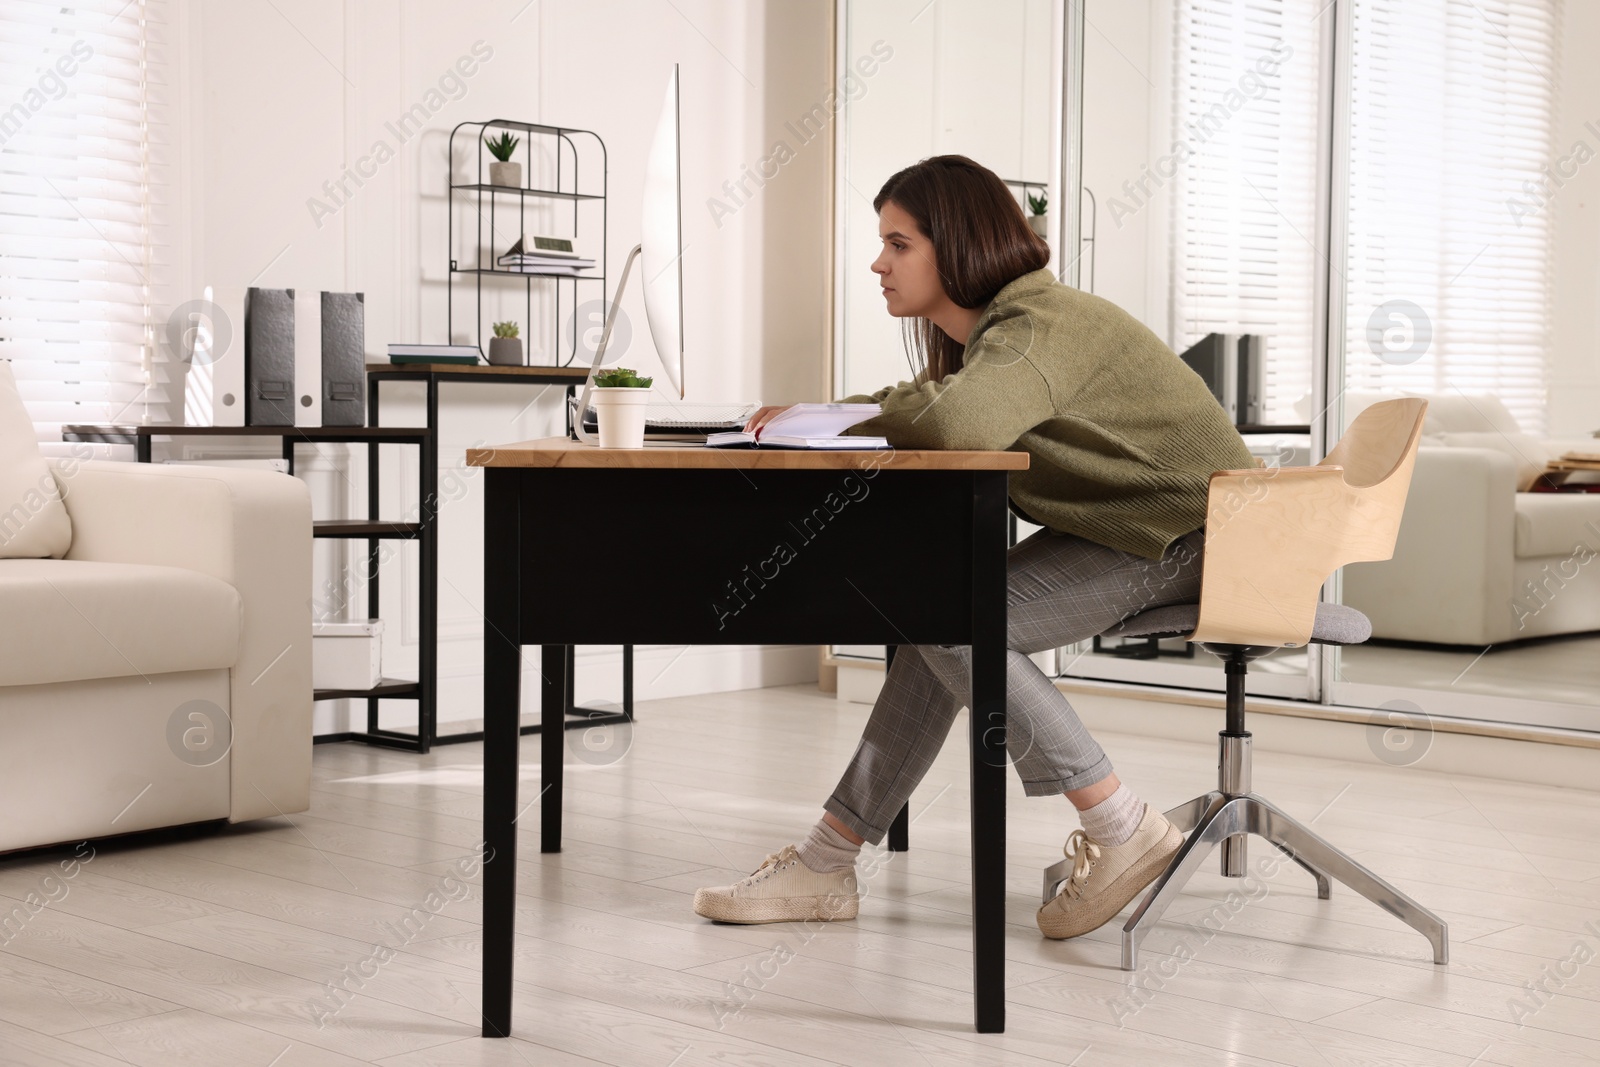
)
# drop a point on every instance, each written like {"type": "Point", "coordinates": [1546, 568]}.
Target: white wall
{"type": "Point", "coordinates": [975, 80]}
{"type": "Point", "coordinates": [1125, 74]}
{"type": "Point", "coordinates": [970, 78]}
{"type": "Point", "coordinates": [283, 96]}
{"type": "Point", "coordinates": [1575, 358]}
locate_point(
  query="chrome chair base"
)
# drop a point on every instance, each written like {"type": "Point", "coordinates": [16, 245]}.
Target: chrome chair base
{"type": "Point", "coordinates": [1220, 819]}
{"type": "Point", "coordinates": [1228, 814]}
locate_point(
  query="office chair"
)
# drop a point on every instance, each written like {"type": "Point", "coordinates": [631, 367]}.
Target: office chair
{"type": "Point", "coordinates": [1273, 536]}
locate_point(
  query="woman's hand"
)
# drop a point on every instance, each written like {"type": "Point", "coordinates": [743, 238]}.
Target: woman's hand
{"type": "Point", "coordinates": [764, 416]}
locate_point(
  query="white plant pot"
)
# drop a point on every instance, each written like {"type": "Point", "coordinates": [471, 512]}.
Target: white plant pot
{"type": "Point", "coordinates": [1040, 224]}
{"type": "Point", "coordinates": [619, 409]}
{"type": "Point", "coordinates": [506, 174]}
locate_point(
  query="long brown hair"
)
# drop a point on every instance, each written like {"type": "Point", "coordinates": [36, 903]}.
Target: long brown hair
{"type": "Point", "coordinates": [980, 242]}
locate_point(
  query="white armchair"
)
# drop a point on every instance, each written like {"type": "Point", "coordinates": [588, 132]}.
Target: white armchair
{"type": "Point", "coordinates": [181, 608]}
{"type": "Point", "coordinates": [1479, 562]}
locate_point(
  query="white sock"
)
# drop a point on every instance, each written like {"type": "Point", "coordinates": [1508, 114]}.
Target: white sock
{"type": "Point", "coordinates": [826, 849]}
{"type": "Point", "coordinates": [1114, 819]}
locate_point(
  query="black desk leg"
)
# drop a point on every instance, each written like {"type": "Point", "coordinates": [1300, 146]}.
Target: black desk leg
{"type": "Point", "coordinates": [570, 666]}
{"type": "Point", "coordinates": [555, 697]}
{"type": "Point", "coordinates": [988, 721]}
{"type": "Point", "coordinates": [502, 692]}
{"type": "Point", "coordinates": [627, 681]}
{"type": "Point", "coordinates": [900, 829]}
{"type": "Point", "coordinates": [374, 545]}
{"type": "Point", "coordinates": [141, 447]}
{"type": "Point", "coordinates": [428, 579]}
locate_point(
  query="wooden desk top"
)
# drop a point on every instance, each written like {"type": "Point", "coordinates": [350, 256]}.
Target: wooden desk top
{"type": "Point", "coordinates": [562, 452]}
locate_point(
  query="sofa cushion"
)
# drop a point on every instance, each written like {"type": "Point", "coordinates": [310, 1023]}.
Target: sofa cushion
{"type": "Point", "coordinates": [1558, 524]}
{"type": "Point", "coordinates": [1447, 413]}
{"type": "Point", "coordinates": [1528, 454]}
{"type": "Point", "coordinates": [66, 620]}
{"type": "Point", "coordinates": [1461, 413]}
{"type": "Point", "coordinates": [33, 521]}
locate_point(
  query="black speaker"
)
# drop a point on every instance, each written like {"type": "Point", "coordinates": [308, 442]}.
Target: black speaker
{"type": "Point", "coordinates": [1233, 366]}
{"type": "Point", "coordinates": [1215, 358]}
{"type": "Point", "coordinates": [344, 360]}
{"type": "Point", "coordinates": [1252, 377]}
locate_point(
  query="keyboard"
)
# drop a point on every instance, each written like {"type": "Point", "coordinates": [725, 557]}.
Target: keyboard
{"type": "Point", "coordinates": [672, 415]}
{"type": "Point", "coordinates": [680, 417]}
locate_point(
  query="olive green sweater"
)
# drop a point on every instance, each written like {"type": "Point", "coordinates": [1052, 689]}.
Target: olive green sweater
{"type": "Point", "coordinates": [1122, 435]}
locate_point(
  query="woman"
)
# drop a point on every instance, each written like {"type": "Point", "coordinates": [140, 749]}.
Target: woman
{"type": "Point", "coordinates": [1122, 439]}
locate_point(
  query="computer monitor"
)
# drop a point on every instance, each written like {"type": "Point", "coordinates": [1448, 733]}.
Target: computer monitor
{"type": "Point", "coordinates": [661, 238]}
{"type": "Point", "coordinates": [661, 246]}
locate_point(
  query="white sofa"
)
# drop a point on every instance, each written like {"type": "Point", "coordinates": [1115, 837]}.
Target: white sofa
{"type": "Point", "coordinates": [155, 665]}
{"type": "Point", "coordinates": [1479, 562]}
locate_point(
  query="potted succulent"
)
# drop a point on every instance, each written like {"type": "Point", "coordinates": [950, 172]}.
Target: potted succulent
{"type": "Point", "coordinates": [1038, 217]}
{"type": "Point", "coordinates": [503, 172]}
{"type": "Point", "coordinates": [620, 396]}
{"type": "Point", "coordinates": [505, 347]}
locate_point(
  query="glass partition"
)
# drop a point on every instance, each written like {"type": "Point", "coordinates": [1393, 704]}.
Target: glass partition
{"type": "Point", "coordinates": [1468, 278]}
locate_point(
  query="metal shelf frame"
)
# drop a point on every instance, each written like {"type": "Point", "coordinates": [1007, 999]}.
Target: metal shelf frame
{"type": "Point", "coordinates": [570, 170]}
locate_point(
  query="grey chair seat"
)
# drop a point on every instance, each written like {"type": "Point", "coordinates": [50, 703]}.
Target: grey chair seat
{"type": "Point", "coordinates": [1336, 624]}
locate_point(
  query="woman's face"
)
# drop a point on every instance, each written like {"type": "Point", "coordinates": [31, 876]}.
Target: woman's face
{"type": "Point", "coordinates": [905, 268]}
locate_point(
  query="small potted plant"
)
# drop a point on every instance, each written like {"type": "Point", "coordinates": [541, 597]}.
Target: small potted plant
{"type": "Point", "coordinates": [1038, 218]}
{"type": "Point", "coordinates": [505, 347]}
{"type": "Point", "coordinates": [504, 172]}
{"type": "Point", "coordinates": [620, 396]}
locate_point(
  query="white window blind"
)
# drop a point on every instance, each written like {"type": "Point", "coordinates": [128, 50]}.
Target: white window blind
{"type": "Point", "coordinates": [1245, 183]}
{"type": "Point", "coordinates": [1453, 111]}
{"type": "Point", "coordinates": [85, 189]}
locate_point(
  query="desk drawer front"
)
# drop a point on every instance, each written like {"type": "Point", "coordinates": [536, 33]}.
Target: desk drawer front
{"type": "Point", "coordinates": [748, 556]}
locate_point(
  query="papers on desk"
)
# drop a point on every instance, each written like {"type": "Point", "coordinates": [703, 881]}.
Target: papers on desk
{"type": "Point", "coordinates": [806, 426]}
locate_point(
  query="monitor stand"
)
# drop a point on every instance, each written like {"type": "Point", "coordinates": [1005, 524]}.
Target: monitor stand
{"type": "Point", "coordinates": [600, 352]}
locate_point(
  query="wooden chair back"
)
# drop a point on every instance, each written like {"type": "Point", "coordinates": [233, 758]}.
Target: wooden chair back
{"type": "Point", "coordinates": [1275, 534]}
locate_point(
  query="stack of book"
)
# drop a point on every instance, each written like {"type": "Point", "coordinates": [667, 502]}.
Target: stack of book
{"type": "Point", "coordinates": [548, 255]}
{"type": "Point", "coordinates": [400, 352]}
{"type": "Point", "coordinates": [544, 263]}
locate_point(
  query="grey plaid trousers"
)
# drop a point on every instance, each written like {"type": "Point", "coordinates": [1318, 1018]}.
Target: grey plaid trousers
{"type": "Point", "coordinates": [1060, 589]}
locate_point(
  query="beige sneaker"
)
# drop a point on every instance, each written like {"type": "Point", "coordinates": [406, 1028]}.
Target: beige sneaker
{"type": "Point", "coordinates": [782, 890]}
{"type": "Point", "coordinates": [1098, 880]}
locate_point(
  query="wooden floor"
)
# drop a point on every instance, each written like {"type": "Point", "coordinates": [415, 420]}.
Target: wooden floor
{"type": "Point", "coordinates": [217, 949]}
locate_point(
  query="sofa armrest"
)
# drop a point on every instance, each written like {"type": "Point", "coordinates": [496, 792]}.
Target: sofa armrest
{"type": "Point", "coordinates": [251, 529]}
{"type": "Point", "coordinates": [1450, 578]}
{"type": "Point", "coordinates": [1557, 445]}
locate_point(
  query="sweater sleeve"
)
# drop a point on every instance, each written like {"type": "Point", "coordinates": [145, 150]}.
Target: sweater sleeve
{"type": "Point", "coordinates": [996, 397]}
{"type": "Point", "coordinates": [867, 398]}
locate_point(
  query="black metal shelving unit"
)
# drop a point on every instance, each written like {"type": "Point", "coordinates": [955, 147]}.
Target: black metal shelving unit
{"type": "Point", "coordinates": [557, 143]}
{"type": "Point", "coordinates": [371, 529]}
{"type": "Point", "coordinates": [431, 376]}
{"type": "Point", "coordinates": [424, 689]}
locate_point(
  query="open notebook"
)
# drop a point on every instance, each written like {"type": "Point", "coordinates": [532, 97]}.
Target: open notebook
{"type": "Point", "coordinates": [806, 426]}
